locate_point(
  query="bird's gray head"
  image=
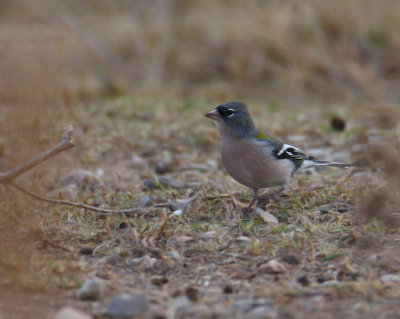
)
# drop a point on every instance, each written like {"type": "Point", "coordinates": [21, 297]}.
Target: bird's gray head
{"type": "Point", "coordinates": [235, 117]}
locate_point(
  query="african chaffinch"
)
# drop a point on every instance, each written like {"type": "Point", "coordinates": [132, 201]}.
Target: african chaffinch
{"type": "Point", "coordinates": [254, 159]}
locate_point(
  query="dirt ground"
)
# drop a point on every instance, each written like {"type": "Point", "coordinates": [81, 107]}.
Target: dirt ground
{"type": "Point", "coordinates": [134, 79]}
{"type": "Point", "coordinates": [330, 250]}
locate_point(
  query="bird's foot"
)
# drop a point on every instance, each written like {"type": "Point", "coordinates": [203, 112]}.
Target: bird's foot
{"type": "Point", "coordinates": [246, 211]}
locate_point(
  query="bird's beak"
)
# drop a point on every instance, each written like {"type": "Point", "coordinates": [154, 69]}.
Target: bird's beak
{"type": "Point", "coordinates": [214, 115]}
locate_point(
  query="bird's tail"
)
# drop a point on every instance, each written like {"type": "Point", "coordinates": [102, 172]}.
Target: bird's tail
{"type": "Point", "coordinates": [314, 163]}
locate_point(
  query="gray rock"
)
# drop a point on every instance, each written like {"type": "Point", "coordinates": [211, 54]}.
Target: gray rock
{"type": "Point", "coordinates": [179, 307]}
{"type": "Point", "coordinates": [92, 289]}
{"type": "Point", "coordinates": [246, 304]}
{"type": "Point", "coordinates": [70, 313]}
{"type": "Point", "coordinates": [127, 307]}
{"type": "Point", "coordinates": [209, 234]}
{"type": "Point", "coordinates": [145, 261]}
{"type": "Point", "coordinates": [265, 216]}
{"type": "Point", "coordinates": [175, 255]}
{"type": "Point", "coordinates": [390, 278]}
{"type": "Point", "coordinates": [262, 312]}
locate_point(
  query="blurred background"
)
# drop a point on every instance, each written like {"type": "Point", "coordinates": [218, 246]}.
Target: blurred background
{"type": "Point", "coordinates": [56, 54]}
{"type": "Point", "coordinates": [332, 50]}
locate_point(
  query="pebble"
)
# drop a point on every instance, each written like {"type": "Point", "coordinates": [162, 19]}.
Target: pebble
{"type": "Point", "coordinates": [251, 303]}
{"type": "Point", "coordinates": [178, 307]}
{"type": "Point", "coordinates": [127, 307]}
{"type": "Point", "coordinates": [138, 162]}
{"type": "Point", "coordinates": [390, 278]}
{"type": "Point", "coordinates": [177, 212]}
{"type": "Point", "coordinates": [265, 216]}
{"type": "Point", "coordinates": [273, 266]}
{"type": "Point", "coordinates": [146, 262]}
{"type": "Point", "coordinates": [262, 312]}
{"type": "Point", "coordinates": [92, 289]}
{"type": "Point", "coordinates": [175, 255]}
{"type": "Point", "coordinates": [70, 313]}
{"type": "Point", "coordinates": [209, 234]}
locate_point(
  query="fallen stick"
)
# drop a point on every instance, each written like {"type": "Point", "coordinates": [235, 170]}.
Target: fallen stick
{"type": "Point", "coordinates": [65, 143]}
{"type": "Point", "coordinates": [75, 204]}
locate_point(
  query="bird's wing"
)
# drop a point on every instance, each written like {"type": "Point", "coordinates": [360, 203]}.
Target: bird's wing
{"type": "Point", "coordinates": [281, 150]}
{"type": "Point", "coordinates": [291, 152]}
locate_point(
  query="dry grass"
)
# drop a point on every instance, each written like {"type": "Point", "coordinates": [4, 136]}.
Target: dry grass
{"type": "Point", "coordinates": [325, 248]}
{"type": "Point", "coordinates": [135, 80]}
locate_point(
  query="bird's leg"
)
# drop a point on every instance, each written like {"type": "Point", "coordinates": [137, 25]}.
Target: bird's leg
{"type": "Point", "coordinates": [263, 200]}
{"type": "Point", "coordinates": [247, 210]}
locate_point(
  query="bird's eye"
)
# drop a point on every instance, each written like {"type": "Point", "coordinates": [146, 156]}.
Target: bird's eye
{"type": "Point", "coordinates": [227, 112]}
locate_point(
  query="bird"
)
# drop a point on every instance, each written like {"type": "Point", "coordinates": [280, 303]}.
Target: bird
{"type": "Point", "coordinates": [254, 159]}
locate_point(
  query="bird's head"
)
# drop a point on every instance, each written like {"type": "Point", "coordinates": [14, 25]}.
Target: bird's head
{"type": "Point", "coordinates": [233, 117]}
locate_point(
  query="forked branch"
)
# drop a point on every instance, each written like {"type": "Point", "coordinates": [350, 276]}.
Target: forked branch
{"type": "Point", "coordinates": [66, 142]}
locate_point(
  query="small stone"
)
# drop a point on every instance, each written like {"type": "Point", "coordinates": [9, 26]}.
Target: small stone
{"type": "Point", "coordinates": [146, 262]}
{"type": "Point", "coordinates": [265, 216]}
{"type": "Point", "coordinates": [175, 255]}
{"type": "Point", "coordinates": [91, 290]}
{"type": "Point", "coordinates": [127, 307]}
{"type": "Point", "coordinates": [262, 312]}
{"type": "Point", "coordinates": [138, 162]}
{"type": "Point", "coordinates": [178, 306]}
{"type": "Point", "coordinates": [390, 278]}
{"type": "Point", "coordinates": [273, 267]}
{"type": "Point", "coordinates": [373, 258]}
{"type": "Point", "coordinates": [70, 313]}
{"type": "Point", "coordinates": [177, 212]}
{"type": "Point", "coordinates": [251, 303]}
{"type": "Point", "coordinates": [209, 234]}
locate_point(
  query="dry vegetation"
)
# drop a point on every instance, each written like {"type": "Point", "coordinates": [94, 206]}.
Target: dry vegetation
{"type": "Point", "coordinates": [135, 78]}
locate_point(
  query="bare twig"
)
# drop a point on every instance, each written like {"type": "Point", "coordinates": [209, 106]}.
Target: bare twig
{"type": "Point", "coordinates": [66, 142]}
{"type": "Point", "coordinates": [74, 204]}
{"type": "Point", "coordinates": [179, 204]}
